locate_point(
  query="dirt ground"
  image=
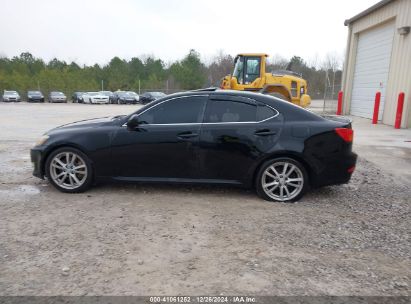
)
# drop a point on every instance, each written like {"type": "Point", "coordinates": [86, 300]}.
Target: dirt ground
{"type": "Point", "coordinates": [189, 240]}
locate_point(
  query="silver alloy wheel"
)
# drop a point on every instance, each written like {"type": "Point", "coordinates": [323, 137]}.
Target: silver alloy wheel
{"type": "Point", "coordinates": [68, 170]}
{"type": "Point", "coordinates": [282, 181]}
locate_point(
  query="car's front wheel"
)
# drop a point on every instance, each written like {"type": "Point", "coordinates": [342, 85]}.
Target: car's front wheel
{"type": "Point", "coordinates": [282, 179]}
{"type": "Point", "coordinates": [69, 170]}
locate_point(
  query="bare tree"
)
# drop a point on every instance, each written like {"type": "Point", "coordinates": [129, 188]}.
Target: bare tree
{"type": "Point", "coordinates": [331, 64]}
{"type": "Point", "coordinates": [277, 62]}
{"type": "Point", "coordinates": [221, 65]}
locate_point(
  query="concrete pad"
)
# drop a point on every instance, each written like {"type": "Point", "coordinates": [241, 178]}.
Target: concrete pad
{"type": "Point", "coordinates": [388, 148]}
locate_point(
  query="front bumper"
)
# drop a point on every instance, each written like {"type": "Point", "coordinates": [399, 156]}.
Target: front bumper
{"type": "Point", "coordinates": [35, 99]}
{"type": "Point", "coordinates": [100, 101]}
{"type": "Point", "coordinates": [37, 159]}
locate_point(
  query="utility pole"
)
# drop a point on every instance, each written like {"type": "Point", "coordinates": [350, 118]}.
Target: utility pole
{"type": "Point", "coordinates": [139, 87]}
{"type": "Point", "coordinates": [325, 88]}
{"type": "Point", "coordinates": [102, 84]}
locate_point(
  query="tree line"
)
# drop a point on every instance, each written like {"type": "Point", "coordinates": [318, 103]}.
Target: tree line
{"type": "Point", "coordinates": [26, 72]}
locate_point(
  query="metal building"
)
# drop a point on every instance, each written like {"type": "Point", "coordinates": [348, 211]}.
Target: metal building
{"type": "Point", "coordinates": [378, 58]}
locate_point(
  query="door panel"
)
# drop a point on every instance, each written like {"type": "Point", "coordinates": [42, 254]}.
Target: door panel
{"type": "Point", "coordinates": [165, 143]}
{"type": "Point", "coordinates": [162, 151]}
{"type": "Point", "coordinates": [230, 143]}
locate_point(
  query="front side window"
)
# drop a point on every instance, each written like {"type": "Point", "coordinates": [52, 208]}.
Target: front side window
{"type": "Point", "coordinates": [253, 69]}
{"type": "Point", "coordinates": [220, 111]}
{"type": "Point", "coordinates": [180, 110]}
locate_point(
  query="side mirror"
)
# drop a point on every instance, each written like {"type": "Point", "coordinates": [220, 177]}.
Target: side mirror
{"type": "Point", "coordinates": [133, 122]}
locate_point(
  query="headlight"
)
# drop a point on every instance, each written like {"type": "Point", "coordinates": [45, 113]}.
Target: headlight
{"type": "Point", "coordinates": [42, 140]}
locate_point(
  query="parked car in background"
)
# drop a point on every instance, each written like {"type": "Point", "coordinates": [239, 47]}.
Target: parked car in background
{"type": "Point", "coordinates": [115, 96]}
{"type": "Point", "coordinates": [151, 96]}
{"type": "Point", "coordinates": [78, 97]}
{"type": "Point", "coordinates": [228, 137]}
{"type": "Point", "coordinates": [56, 96]}
{"type": "Point", "coordinates": [10, 96]}
{"type": "Point", "coordinates": [95, 98]}
{"type": "Point", "coordinates": [35, 96]}
{"type": "Point", "coordinates": [107, 93]}
{"type": "Point", "coordinates": [127, 97]}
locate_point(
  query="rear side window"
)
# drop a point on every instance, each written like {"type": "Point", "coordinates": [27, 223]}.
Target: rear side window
{"type": "Point", "coordinates": [220, 111]}
{"type": "Point", "coordinates": [264, 112]}
{"type": "Point", "coordinates": [181, 110]}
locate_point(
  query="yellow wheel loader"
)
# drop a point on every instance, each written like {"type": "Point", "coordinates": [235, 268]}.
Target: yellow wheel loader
{"type": "Point", "coordinates": [250, 75]}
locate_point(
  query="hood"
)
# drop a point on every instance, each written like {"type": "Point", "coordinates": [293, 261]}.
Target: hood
{"type": "Point", "coordinates": [83, 124]}
{"type": "Point", "coordinates": [11, 95]}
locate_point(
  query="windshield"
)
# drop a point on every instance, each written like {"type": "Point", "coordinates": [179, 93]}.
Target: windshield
{"type": "Point", "coordinates": [106, 93]}
{"type": "Point", "coordinates": [238, 69]}
{"type": "Point", "coordinates": [34, 93]}
{"type": "Point", "coordinates": [158, 94]}
{"type": "Point", "coordinates": [57, 93]}
{"type": "Point", "coordinates": [10, 93]}
{"type": "Point", "coordinates": [92, 93]}
{"type": "Point", "coordinates": [131, 93]}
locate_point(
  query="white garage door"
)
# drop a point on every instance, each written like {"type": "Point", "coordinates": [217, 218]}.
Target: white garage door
{"type": "Point", "coordinates": [371, 69]}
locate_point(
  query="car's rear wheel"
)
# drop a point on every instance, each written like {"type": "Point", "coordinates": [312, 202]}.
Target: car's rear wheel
{"type": "Point", "coordinates": [282, 179]}
{"type": "Point", "coordinates": [69, 170]}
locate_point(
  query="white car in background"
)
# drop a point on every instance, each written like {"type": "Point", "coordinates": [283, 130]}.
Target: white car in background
{"type": "Point", "coordinates": [95, 98]}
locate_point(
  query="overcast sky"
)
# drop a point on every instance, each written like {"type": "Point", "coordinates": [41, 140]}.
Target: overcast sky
{"type": "Point", "coordinates": [94, 31]}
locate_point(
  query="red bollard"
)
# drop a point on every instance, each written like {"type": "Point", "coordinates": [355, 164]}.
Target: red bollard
{"type": "Point", "coordinates": [400, 106]}
{"type": "Point", "coordinates": [376, 108]}
{"type": "Point", "coordinates": [340, 101]}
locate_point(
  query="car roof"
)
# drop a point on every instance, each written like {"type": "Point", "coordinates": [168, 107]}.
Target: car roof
{"type": "Point", "coordinates": [216, 91]}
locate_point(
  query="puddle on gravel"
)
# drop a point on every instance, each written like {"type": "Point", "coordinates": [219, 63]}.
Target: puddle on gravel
{"type": "Point", "coordinates": [22, 189]}
{"type": "Point", "coordinates": [28, 189]}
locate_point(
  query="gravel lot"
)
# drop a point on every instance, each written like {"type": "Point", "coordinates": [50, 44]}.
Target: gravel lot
{"type": "Point", "coordinates": [168, 240]}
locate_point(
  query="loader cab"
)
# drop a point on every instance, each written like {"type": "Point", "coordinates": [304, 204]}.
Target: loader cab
{"type": "Point", "coordinates": [247, 69]}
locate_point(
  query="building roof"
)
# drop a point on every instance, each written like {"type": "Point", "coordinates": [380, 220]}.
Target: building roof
{"type": "Point", "coordinates": [369, 10]}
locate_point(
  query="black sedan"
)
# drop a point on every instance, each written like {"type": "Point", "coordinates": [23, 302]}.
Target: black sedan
{"type": "Point", "coordinates": [127, 97]}
{"type": "Point", "coordinates": [207, 136]}
{"type": "Point", "coordinates": [35, 96]}
{"type": "Point", "coordinates": [151, 96]}
{"type": "Point", "coordinates": [78, 97]}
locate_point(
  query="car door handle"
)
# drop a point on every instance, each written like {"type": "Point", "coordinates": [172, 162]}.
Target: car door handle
{"type": "Point", "coordinates": [265, 132]}
{"type": "Point", "coordinates": [187, 135]}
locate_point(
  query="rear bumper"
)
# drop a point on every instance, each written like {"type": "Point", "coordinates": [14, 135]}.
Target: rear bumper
{"type": "Point", "coordinates": [337, 171]}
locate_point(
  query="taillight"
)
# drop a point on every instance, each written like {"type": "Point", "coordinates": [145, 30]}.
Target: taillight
{"type": "Point", "coordinates": [346, 134]}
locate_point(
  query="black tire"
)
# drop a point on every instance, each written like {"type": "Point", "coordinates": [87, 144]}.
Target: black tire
{"type": "Point", "coordinates": [282, 180]}
{"type": "Point", "coordinates": [88, 179]}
